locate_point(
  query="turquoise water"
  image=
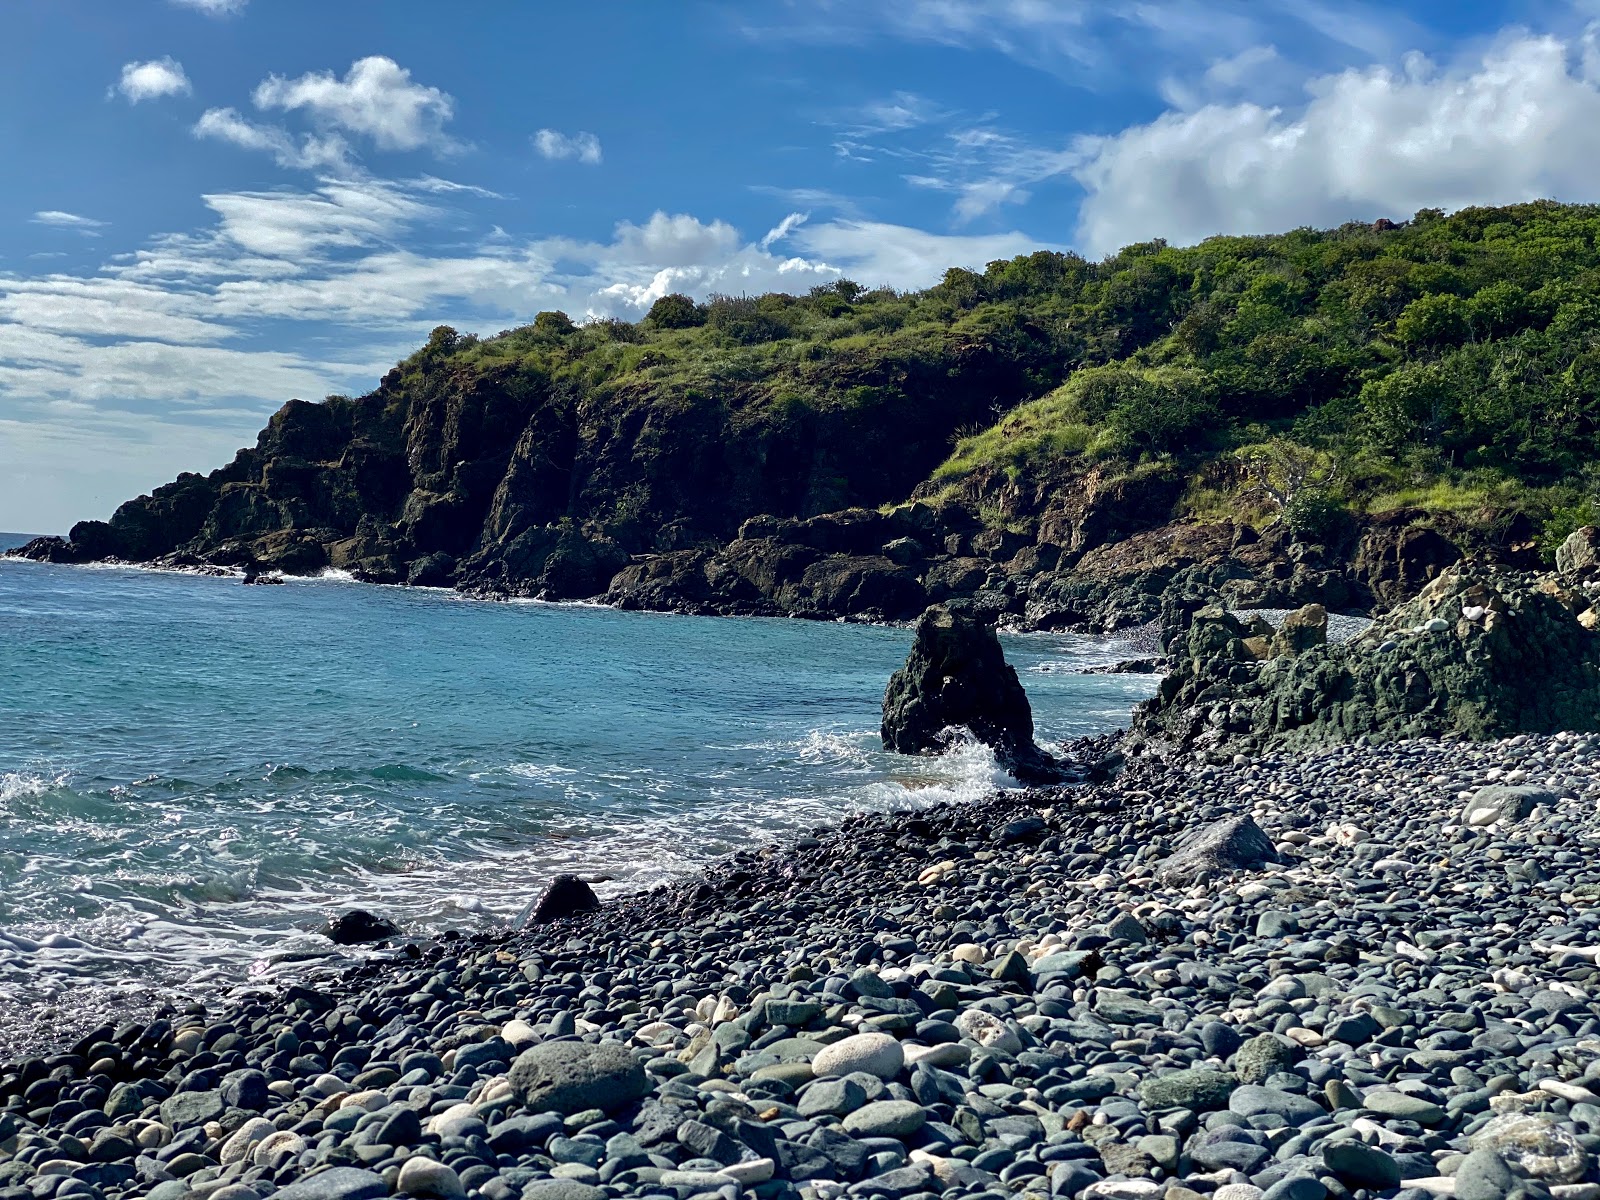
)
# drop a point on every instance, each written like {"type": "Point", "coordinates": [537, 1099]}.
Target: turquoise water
{"type": "Point", "coordinates": [194, 774]}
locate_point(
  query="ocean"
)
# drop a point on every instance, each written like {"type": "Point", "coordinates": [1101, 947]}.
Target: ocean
{"type": "Point", "coordinates": [195, 775]}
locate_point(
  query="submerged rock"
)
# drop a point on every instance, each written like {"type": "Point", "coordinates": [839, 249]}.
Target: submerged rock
{"type": "Point", "coordinates": [358, 926]}
{"type": "Point", "coordinates": [956, 676]}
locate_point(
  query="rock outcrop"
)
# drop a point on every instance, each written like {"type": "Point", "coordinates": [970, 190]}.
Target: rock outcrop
{"type": "Point", "coordinates": [1480, 652]}
{"type": "Point", "coordinates": [957, 677]}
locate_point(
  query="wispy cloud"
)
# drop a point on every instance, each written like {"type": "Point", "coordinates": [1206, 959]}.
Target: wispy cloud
{"type": "Point", "coordinates": [152, 80]}
{"type": "Point", "coordinates": [214, 8]}
{"type": "Point", "coordinates": [57, 219]}
{"type": "Point", "coordinates": [1091, 41]}
{"type": "Point", "coordinates": [553, 144]}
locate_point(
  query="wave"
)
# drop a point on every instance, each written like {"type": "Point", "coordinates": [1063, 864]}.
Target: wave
{"type": "Point", "coordinates": [25, 784]}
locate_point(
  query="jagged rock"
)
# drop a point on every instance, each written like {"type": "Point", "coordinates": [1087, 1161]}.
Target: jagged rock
{"type": "Point", "coordinates": [1302, 629]}
{"type": "Point", "coordinates": [566, 895]}
{"type": "Point", "coordinates": [1579, 554]}
{"type": "Point", "coordinates": [956, 676]}
{"type": "Point", "coordinates": [1232, 844]}
{"type": "Point", "coordinates": [358, 926]}
{"type": "Point", "coordinates": [1480, 652]}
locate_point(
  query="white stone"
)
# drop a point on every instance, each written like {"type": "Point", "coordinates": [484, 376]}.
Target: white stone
{"type": "Point", "coordinates": [277, 1147]}
{"type": "Point", "coordinates": [453, 1119]}
{"type": "Point", "coordinates": [970, 952]}
{"type": "Point", "coordinates": [1572, 1093]}
{"type": "Point", "coordinates": [245, 1140]}
{"type": "Point", "coordinates": [988, 1030]}
{"type": "Point", "coordinates": [1125, 1189]}
{"type": "Point", "coordinates": [421, 1176]}
{"type": "Point", "coordinates": [1238, 1191]}
{"type": "Point", "coordinates": [748, 1174]}
{"type": "Point", "coordinates": [519, 1033]}
{"type": "Point", "coordinates": [370, 1100]}
{"type": "Point", "coordinates": [875, 1053]}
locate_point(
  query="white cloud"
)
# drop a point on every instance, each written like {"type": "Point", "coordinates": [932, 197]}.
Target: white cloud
{"type": "Point", "coordinates": [1521, 121]}
{"type": "Point", "coordinates": [309, 153]}
{"type": "Point", "coordinates": [214, 8]}
{"type": "Point", "coordinates": [152, 80]}
{"type": "Point", "coordinates": [57, 219]}
{"type": "Point", "coordinates": [376, 98]}
{"type": "Point", "coordinates": [584, 147]}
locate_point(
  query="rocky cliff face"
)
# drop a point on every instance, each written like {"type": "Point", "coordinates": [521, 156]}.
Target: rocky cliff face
{"type": "Point", "coordinates": [1480, 652]}
{"type": "Point", "coordinates": [503, 479]}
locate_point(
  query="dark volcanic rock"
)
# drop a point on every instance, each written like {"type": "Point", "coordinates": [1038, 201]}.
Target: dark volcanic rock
{"type": "Point", "coordinates": [359, 926]}
{"type": "Point", "coordinates": [956, 676]}
{"type": "Point", "coordinates": [566, 895]}
{"type": "Point", "coordinates": [1480, 652]}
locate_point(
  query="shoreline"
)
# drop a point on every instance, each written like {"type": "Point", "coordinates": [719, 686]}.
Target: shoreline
{"type": "Point", "coordinates": [1042, 1012]}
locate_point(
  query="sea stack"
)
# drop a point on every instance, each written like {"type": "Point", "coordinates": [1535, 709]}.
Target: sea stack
{"type": "Point", "coordinates": [956, 676]}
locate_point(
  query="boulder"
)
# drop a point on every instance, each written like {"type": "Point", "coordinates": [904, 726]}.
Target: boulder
{"type": "Point", "coordinates": [358, 926]}
{"type": "Point", "coordinates": [1302, 629]}
{"type": "Point", "coordinates": [956, 676]}
{"type": "Point", "coordinates": [566, 896]}
{"type": "Point", "coordinates": [1231, 844]}
{"type": "Point", "coordinates": [1503, 802]}
{"type": "Point", "coordinates": [572, 1077]}
{"type": "Point", "coordinates": [1579, 554]}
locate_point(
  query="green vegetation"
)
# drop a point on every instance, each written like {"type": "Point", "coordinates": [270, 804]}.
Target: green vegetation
{"type": "Point", "coordinates": [1451, 364]}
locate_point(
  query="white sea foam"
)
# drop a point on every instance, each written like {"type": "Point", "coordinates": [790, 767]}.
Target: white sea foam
{"type": "Point", "coordinates": [21, 785]}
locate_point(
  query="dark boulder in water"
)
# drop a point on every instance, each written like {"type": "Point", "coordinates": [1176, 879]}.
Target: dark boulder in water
{"type": "Point", "coordinates": [358, 926]}
{"type": "Point", "coordinates": [956, 676]}
{"type": "Point", "coordinates": [566, 895]}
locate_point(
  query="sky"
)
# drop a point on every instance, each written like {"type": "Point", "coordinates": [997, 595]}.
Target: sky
{"type": "Point", "coordinates": [212, 206]}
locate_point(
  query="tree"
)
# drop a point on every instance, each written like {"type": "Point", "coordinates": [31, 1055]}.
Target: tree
{"type": "Point", "coordinates": [676, 311]}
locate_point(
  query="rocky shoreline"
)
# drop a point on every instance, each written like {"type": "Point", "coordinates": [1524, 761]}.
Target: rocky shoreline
{"type": "Point", "coordinates": [1390, 994]}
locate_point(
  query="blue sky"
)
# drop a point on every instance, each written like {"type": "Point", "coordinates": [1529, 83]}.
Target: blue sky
{"type": "Point", "coordinates": [214, 205]}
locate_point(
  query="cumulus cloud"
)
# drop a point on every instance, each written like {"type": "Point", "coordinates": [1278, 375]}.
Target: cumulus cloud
{"type": "Point", "coordinates": [376, 98]}
{"type": "Point", "coordinates": [1520, 121]}
{"type": "Point", "coordinates": [585, 147]}
{"type": "Point", "coordinates": [214, 8]}
{"type": "Point", "coordinates": [57, 219]}
{"type": "Point", "coordinates": [152, 80]}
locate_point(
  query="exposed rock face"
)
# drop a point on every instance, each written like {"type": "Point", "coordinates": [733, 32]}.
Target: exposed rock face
{"type": "Point", "coordinates": [956, 676]}
{"type": "Point", "coordinates": [1480, 652]}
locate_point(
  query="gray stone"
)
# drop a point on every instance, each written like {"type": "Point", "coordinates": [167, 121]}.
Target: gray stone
{"type": "Point", "coordinates": [1361, 1165]}
{"type": "Point", "coordinates": [1251, 1100]}
{"type": "Point", "coordinates": [569, 1077]}
{"type": "Point", "coordinates": [886, 1118]}
{"type": "Point", "coordinates": [1231, 844]}
{"type": "Point", "coordinates": [1262, 1056]}
{"type": "Point", "coordinates": [1503, 802]}
{"type": "Point", "coordinates": [1198, 1088]}
{"type": "Point", "coordinates": [336, 1183]}
{"type": "Point", "coordinates": [1483, 1175]}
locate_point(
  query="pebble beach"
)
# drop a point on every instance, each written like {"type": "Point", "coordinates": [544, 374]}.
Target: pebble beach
{"type": "Point", "coordinates": [1389, 990]}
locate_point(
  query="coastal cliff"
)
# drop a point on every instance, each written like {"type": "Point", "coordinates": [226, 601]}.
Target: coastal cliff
{"type": "Point", "coordinates": [1329, 417]}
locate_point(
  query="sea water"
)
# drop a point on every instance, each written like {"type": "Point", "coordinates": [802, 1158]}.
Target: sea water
{"type": "Point", "coordinates": [195, 775]}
